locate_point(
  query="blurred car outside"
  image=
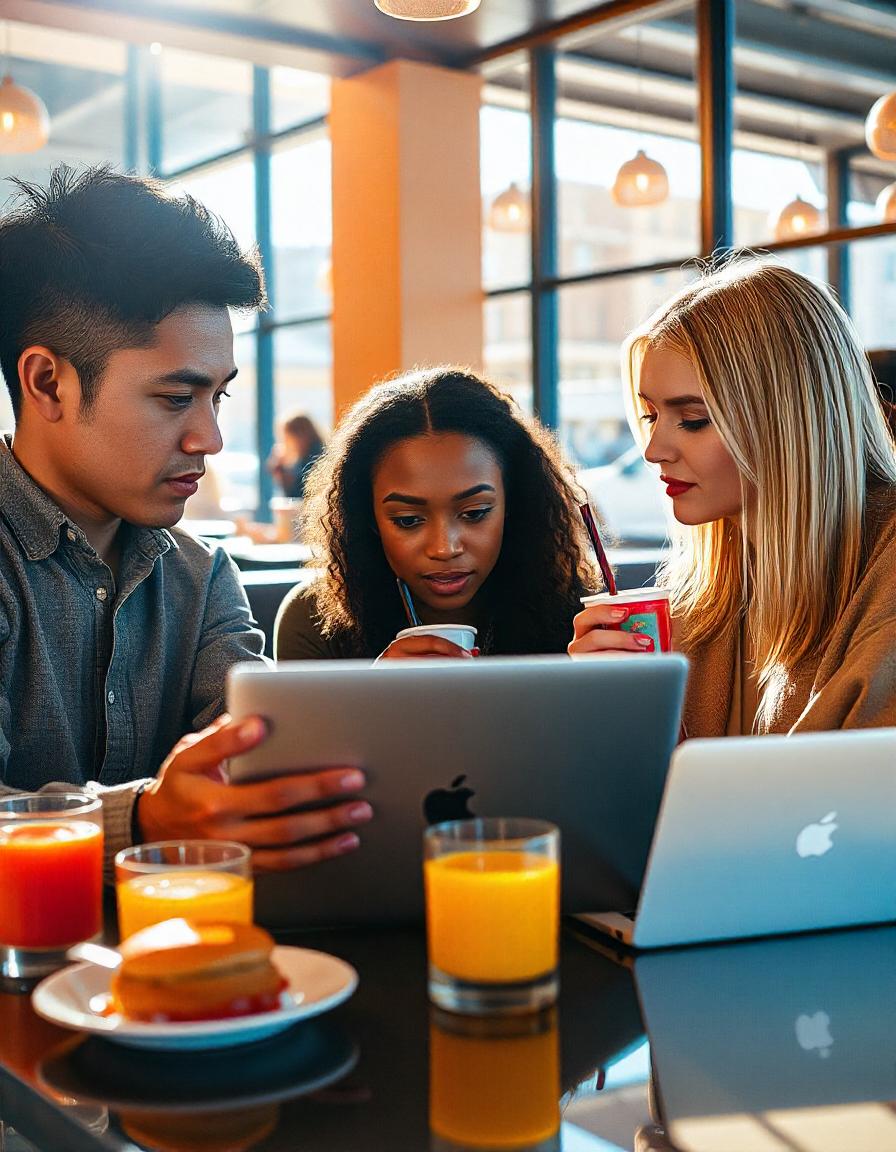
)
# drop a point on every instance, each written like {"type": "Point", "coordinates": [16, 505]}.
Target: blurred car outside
{"type": "Point", "coordinates": [629, 499]}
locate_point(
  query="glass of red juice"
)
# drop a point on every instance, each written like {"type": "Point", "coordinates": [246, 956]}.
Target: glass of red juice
{"type": "Point", "coordinates": [51, 879]}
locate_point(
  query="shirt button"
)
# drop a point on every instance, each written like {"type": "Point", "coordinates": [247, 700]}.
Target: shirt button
{"type": "Point", "coordinates": [71, 535]}
{"type": "Point", "coordinates": [101, 593]}
{"type": "Point", "coordinates": [111, 697]}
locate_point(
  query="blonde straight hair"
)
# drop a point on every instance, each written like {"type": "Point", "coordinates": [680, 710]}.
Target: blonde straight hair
{"type": "Point", "coordinates": [790, 391]}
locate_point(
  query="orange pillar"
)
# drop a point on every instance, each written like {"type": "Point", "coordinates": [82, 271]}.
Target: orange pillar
{"type": "Point", "coordinates": [406, 223]}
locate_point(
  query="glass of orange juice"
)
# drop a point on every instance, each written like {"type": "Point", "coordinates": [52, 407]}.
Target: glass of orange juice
{"type": "Point", "coordinates": [492, 914]}
{"type": "Point", "coordinates": [494, 1082]}
{"type": "Point", "coordinates": [51, 878]}
{"type": "Point", "coordinates": [203, 880]}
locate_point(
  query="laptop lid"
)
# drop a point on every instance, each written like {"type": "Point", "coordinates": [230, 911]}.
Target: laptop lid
{"type": "Point", "coordinates": [584, 744]}
{"type": "Point", "coordinates": [762, 835]}
{"type": "Point", "coordinates": [775, 1045]}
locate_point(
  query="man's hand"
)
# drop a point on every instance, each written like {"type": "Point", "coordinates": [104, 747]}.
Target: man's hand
{"type": "Point", "coordinates": [191, 798]}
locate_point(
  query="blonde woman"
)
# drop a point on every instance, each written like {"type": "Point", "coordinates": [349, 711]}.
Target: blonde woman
{"type": "Point", "coordinates": [758, 408]}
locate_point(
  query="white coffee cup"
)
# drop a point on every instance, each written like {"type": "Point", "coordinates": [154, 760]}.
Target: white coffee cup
{"type": "Point", "coordinates": [463, 635]}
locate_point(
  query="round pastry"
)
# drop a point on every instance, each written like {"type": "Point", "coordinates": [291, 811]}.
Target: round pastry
{"type": "Point", "coordinates": [178, 970]}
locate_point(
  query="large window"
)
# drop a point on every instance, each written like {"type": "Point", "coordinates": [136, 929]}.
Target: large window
{"type": "Point", "coordinates": [206, 104]}
{"type": "Point", "coordinates": [273, 191]}
{"type": "Point", "coordinates": [800, 180]}
{"type": "Point", "coordinates": [249, 143]}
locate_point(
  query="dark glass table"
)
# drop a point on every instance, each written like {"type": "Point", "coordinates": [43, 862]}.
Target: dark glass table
{"type": "Point", "coordinates": [774, 1045]}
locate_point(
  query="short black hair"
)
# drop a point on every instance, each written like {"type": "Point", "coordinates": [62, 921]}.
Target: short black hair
{"type": "Point", "coordinates": [94, 261]}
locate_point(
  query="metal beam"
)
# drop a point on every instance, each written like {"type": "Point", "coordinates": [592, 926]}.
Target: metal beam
{"type": "Point", "coordinates": [545, 360]}
{"type": "Point", "coordinates": [544, 36]}
{"type": "Point", "coordinates": [837, 181]}
{"type": "Point", "coordinates": [131, 150]}
{"type": "Point", "coordinates": [204, 30]}
{"type": "Point", "coordinates": [715, 84]}
{"type": "Point", "coordinates": [264, 339]}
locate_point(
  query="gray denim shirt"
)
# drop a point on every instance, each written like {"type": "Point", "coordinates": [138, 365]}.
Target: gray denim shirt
{"type": "Point", "coordinates": [99, 679]}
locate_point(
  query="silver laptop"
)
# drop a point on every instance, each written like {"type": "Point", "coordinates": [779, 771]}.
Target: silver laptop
{"type": "Point", "coordinates": [584, 744]}
{"type": "Point", "coordinates": [783, 1045]}
{"type": "Point", "coordinates": [767, 834]}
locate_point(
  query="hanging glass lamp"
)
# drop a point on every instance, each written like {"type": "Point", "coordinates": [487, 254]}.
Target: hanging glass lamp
{"type": "Point", "coordinates": [24, 121]}
{"type": "Point", "coordinates": [640, 181]}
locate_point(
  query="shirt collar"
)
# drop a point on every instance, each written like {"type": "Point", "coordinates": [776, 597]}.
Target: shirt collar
{"type": "Point", "coordinates": [39, 523]}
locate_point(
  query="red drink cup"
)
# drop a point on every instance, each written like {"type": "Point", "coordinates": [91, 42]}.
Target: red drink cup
{"type": "Point", "coordinates": [648, 614]}
{"type": "Point", "coordinates": [51, 878]}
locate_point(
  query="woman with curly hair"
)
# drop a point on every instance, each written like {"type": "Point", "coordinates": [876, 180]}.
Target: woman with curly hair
{"type": "Point", "coordinates": [437, 479]}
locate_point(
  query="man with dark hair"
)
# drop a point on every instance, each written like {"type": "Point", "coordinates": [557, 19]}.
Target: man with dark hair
{"type": "Point", "coordinates": [116, 628]}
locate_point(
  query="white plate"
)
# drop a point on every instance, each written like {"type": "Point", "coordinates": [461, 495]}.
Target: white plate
{"type": "Point", "coordinates": [316, 983]}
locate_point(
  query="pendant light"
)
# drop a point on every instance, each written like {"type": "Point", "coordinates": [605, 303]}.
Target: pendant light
{"type": "Point", "coordinates": [24, 121]}
{"type": "Point", "coordinates": [427, 9]}
{"type": "Point", "coordinates": [641, 180]}
{"type": "Point", "coordinates": [798, 218]}
{"type": "Point", "coordinates": [880, 127]}
{"type": "Point", "coordinates": [886, 204]}
{"type": "Point", "coordinates": [510, 211]}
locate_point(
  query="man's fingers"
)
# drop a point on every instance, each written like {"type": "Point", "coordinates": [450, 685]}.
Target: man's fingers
{"type": "Point", "coordinates": [202, 751]}
{"type": "Point", "coordinates": [301, 855]}
{"type": "Point", "coordinates": [298, 826]}
{"type": "Point", "coordinates": [285, 792]}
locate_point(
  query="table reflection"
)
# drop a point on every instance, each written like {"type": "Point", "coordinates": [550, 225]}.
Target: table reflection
{"type": "Point", "coordinates": [775, 1045]}
{"type": "Point", "coordinates": [494, 1083]}
{"type": "Point", "coordinates": [761, 1047]}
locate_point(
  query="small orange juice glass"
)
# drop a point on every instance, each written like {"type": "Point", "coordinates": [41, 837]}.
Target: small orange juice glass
{"type": "Point", "coordinates": [51, 879]}
{"type": "Point", "coordinates": [492, 914]}
{"type": "Point", "coordinates": [202, 880]}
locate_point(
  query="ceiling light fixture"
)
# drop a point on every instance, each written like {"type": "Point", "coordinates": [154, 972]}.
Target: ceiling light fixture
{"type": "Point", "coordinates": [24, 121]}
{"type": "Point", "coordinates": [427, 9]}
{"type": "Point", "coordinates": [640, 181]}
{"type": "Point", "coordinates": [510, 211]}
{"type": "Point", "coordinates": [796, 219]}
{"type": "Point", "coordinates": [880, 127]}
{"type": "Point", "coordinates": [886, 204]}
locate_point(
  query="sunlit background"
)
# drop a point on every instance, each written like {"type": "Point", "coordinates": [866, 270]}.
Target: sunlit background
{"type": "Point", "coordinates": [223, 128]}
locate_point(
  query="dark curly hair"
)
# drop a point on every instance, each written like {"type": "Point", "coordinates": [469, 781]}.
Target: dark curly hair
{"type": "Point", "coordinates": [542, 570]}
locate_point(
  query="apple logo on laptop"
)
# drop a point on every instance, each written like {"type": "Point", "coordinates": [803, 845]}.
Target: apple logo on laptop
{"type": "Point", "coordinates": [813, 1033]}
{"type": "Point", "coordinates": [815, 839]}
{"type": "Point", "coordinates": [448, 803]}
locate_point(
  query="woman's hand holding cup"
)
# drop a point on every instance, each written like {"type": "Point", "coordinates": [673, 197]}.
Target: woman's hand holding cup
{"type": "Point", "coordinates": [635, 621]}
{"type": "Point", "coordinates": [451, 640]}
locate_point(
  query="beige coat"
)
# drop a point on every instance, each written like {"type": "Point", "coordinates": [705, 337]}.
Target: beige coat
{"type": "Point", "coordinates": [851, 685]}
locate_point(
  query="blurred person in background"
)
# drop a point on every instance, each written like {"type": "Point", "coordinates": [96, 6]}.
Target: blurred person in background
{"type": "Point", "coordinates": [294, 454]}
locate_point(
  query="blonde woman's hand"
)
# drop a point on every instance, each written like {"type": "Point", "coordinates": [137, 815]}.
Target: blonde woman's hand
{"type": "Point", "coordinates": [596, 632]}
{"type": "Point", "coordinates": [415, 647]}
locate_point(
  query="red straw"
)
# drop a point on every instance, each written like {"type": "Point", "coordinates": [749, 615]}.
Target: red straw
{"type": "Point", "coordinates": [609, 578]}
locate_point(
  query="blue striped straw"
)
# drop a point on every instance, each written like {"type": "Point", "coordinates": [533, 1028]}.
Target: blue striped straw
{"type": "Point", "coordinates": [407, 603]}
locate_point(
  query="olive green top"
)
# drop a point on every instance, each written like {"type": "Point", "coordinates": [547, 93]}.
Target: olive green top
{"type": "Point", "coordinates": [297, 632]}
